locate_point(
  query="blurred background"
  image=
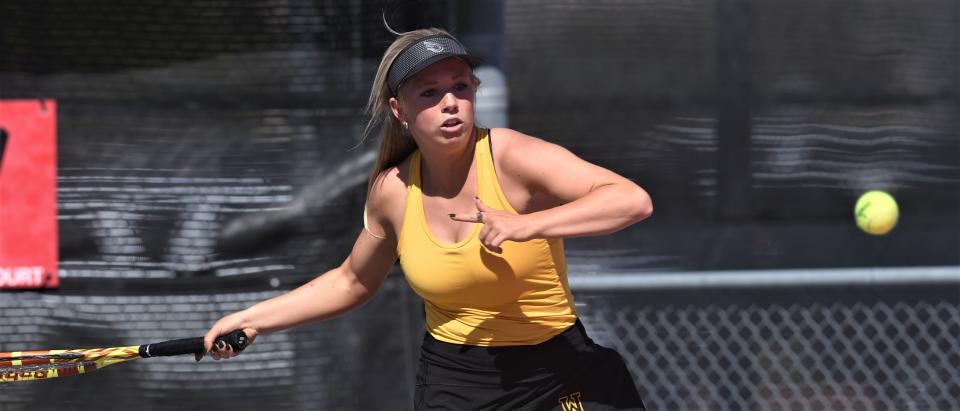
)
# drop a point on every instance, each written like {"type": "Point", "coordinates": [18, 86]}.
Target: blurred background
{"type": "Point", "coordinates": [210, 155]}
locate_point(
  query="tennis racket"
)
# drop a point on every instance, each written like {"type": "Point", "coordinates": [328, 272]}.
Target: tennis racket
{"type": "Point", "coordinates": [38, 365]}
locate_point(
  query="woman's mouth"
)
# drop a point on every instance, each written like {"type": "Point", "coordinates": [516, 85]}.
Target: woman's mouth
{"type": "Point", "coordinates": [451, 126]}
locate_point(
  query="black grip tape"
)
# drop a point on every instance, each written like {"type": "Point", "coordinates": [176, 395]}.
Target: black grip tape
{"type": "Point", "coordinates": [236, 339]}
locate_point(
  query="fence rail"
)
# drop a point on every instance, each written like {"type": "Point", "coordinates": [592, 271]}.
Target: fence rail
{"type": "Point", "coordinates": [768, 278]}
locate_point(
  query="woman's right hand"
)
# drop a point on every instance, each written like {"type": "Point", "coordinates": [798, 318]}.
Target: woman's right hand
{"type": "Point", "coordinates": [224, 326]}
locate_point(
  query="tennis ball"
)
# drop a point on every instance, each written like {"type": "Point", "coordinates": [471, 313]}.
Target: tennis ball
{"type": "Point", "coordinates": [876, 212]}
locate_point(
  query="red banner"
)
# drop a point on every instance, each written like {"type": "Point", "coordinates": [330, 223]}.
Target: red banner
{"type": "Point", "coordinates": [28, 194]}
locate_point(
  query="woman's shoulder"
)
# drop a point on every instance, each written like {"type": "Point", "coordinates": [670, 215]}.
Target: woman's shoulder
{"type": "Point", "coordinates": [510, 139]}
{"type": "Point", "coordinates": [389, 188]}
{"type": "Point", "coordinates": [514, 148]}
{"type": "Point", "coordinates": [386, 200]}
{"type": "Point", "coordinates": [392, 182]}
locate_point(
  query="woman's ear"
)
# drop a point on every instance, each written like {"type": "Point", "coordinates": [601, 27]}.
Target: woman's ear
{"type": "Point", "coordinates": [395, 108]}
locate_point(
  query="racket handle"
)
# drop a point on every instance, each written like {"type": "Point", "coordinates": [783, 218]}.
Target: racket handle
{"type": "Point", "coordinates": [236, 339]}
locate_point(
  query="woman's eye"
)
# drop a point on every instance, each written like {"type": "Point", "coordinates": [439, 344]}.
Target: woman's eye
{"type": "Point", "coordinates": [460, 86]}
{"type": "Point", "coordinates": [428, 93]}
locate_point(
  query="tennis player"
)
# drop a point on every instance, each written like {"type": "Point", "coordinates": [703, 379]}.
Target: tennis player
{"type": "Point", "coordinates": [477, 218]}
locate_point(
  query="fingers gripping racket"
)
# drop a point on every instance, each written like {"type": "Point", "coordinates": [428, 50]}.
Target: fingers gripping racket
{"type": "Point", "coordinates": [38, 365]}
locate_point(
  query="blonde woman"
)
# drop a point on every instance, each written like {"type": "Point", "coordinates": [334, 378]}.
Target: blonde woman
{"type": "Point", "coordinates": [477, 218]}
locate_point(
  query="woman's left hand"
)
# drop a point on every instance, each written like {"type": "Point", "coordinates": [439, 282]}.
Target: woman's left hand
{"type": "Point", "coordinates": [498, 226]}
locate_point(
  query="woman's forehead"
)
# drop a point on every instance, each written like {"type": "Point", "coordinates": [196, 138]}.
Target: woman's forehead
{"type": "Point", "coordinates": [448, 67]}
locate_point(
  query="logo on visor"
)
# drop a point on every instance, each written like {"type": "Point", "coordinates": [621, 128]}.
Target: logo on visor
{"type": "Point", "coordinates": [433, 46]}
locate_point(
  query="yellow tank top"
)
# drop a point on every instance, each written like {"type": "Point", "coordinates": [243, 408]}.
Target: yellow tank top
{"type": "Point", "coordinates": [477, 297]}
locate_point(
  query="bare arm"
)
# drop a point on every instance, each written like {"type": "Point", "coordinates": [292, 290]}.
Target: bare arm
{"type": "Point", "coordinates": [595, 200]}
{"type": "Point", "coordinates": [335, 292]}
{"type": "Point", "coordinates": [591, 199]}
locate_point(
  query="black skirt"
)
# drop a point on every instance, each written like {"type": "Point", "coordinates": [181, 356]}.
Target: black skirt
{"type": "Point", "coordinates": [569, 372]}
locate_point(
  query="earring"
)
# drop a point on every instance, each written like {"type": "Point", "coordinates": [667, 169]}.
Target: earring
{"type": "Point", "coordinates": [405, 125]}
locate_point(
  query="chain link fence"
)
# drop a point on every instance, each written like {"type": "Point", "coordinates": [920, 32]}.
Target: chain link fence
{"type": "Point", "coordinates": [801, 348]}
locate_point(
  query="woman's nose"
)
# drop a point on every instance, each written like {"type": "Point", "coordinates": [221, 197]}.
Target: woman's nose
{"type": "Point", "coordinates": [449, 102]}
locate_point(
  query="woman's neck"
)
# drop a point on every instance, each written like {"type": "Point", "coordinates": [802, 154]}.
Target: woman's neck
{"type": "Point", "coordinates": [444, 173]}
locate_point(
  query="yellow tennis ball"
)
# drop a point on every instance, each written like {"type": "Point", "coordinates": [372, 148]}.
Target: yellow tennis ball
{"type": "Point", "coordinates": [876, 212]}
